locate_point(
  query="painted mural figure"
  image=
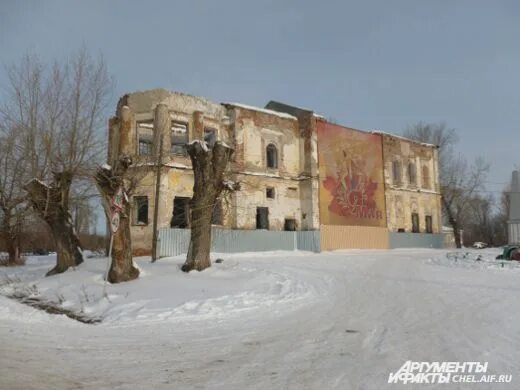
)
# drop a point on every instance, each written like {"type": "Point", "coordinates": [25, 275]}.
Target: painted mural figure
{"type": "Point", "coordinates": [352, 191]}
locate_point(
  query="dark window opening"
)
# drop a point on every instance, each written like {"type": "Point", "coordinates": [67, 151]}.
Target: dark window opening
{"type": "Point", "coordinates": [216, 216]}
{"type": "Point", "coordinates": [396, 172]}
{"type": "Point", "coordinates": [412, 174]}
{"type": "Point", "coordinates": [210, 137]}
{"type": "Point", "coordinates": [179, 132]}
{"type": "Point", "coordinates": [181, 213]}
{"type": "Point", "coordinates": [400, 230]}
{"type": "Point", "coordinates": [262, 218]}
{"type": "Point", "coordinates": [290, 224]}
{"type": "Point", "coordinates": [145, 137]}
{"type": "Point", "coordinates": [141, 210]}
{"type": "Point", "coordinates": [269, 193]}
{"type": "Point", "coordinates": [145, 147]}
{"type": "Point", "coordinates": [426, 177]}
{"type": "Point", "coordinates": [271, 156]}
{"type": "Point", "coordinates": [415, 223]}
{"type": "Point", "coordinates": [429, 224]}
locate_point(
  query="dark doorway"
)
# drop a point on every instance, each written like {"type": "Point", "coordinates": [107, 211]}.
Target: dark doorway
{"type": "Point", "coordinates": [429, 225]}
{"type": "Point", "coordinates": [141, 210]}
{"type": "Point", "coordinates": [262, 218]}
{"type": "Point", "coordinates": [290, 224]}
{"type": "Point", "coordinates": [415, 223]}
{"type": "Point", "coordinates": [181, 213]}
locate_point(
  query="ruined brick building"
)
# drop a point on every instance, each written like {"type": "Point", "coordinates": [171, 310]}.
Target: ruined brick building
{"type": "Point", "coordinates": [298, 172]}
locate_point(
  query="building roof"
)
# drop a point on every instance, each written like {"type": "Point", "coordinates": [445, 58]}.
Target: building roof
{"type": "Point", "coordinates": [262, 110]}
{"type": "Point", "coordinates": [289, 109]}
{"type": "Point", "coordinates": [404, 138]}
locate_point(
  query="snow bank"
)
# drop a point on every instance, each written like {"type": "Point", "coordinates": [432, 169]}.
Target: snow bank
{"type": "Point", "coordinates": [163, 292]}
{"type": "Point", "coordinates": [474, 259]}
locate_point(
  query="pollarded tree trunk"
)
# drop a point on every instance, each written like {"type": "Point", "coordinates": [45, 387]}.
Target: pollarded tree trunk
{"type": "Point", "coordinates": [109, 180]}
{"type": "Point", "coordinates": [51, 204]}
{"type": "Point", "coordinates": [209, 166]}
{"type": "Point", "coordinates": [122, 268]}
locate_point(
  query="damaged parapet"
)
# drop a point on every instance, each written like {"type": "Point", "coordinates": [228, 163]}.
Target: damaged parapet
{"type": "Point", "coordinates": [513, 224]}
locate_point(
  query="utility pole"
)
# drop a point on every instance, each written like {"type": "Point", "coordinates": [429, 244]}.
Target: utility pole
{"type": "Point", "coordinates": [158, 166]}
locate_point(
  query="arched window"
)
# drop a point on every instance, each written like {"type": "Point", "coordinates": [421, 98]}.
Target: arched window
{"type": "Point", "coordinates": [412, 173]}
{"type": "Point", "coordinates": [271, 156]}
{"type": "Point", "coordinates": [425, 177]}
{"type": "Point", "coordinates": [396, 172]}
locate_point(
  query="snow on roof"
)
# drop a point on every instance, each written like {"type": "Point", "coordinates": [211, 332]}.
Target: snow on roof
{"type": "Point", "coordinates": [404, 138]}
{"type": "Point", "coordinates": [263, 110]}
{"type": "Point", "coordinates": [38, 181]}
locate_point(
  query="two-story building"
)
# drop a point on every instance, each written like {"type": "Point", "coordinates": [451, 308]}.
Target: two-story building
{"type": "Point", "coordinates": [296, 171]}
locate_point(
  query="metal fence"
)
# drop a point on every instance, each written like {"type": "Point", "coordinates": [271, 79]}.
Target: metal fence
{"type": "Point", "coordinates": [416, 240]}
{"type": "Point", "coordinates": [174, 242]}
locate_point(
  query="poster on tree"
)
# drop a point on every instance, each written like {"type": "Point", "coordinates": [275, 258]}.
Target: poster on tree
{"type": "Point", "coordinates": [351, 177]}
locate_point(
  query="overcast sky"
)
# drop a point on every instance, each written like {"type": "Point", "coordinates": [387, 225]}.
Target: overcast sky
{"type": "Point", "coordinates": [366, 64]}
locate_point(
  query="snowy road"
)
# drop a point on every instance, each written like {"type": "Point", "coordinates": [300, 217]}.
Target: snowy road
{"type": "Point", "coordinates": [332, 320]}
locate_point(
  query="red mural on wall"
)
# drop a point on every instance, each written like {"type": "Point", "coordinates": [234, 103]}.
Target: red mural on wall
{"type": "Point", "coordinates": [353, 196]}
{"type": "Point", "coordinates": [351, 167]}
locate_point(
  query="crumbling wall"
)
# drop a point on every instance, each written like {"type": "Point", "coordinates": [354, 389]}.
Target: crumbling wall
{"type": "Point", "coordinates": [253, 131]}
{"type": "Point", "coordinates": [160, 107]}
{"type": "Point", "coordinates": [404, 197]}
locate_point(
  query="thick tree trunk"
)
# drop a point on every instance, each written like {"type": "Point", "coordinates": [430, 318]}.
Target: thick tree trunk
{"type": "Point", "coordinates": [14, 254]}
{"type": "Point", "coordinates": [454, 223]}
{"type": "Point", "coordinates": [200, 239]}
{"type": "Point", "coordinates": [456, 233]}
{"type": "Point", "coordinates": [68, 247]}
{"type": "Point", "coordinates": [209, 166]}
{"type": "Point", "coordinates": [51, 204]}
{"type": "Point", "coordinates": [122, 268]}
{"type": "Point", "coordinates": [109, 181]}
{"type": "Point", "coordinates": [13, 249]}
{"type": "Point", "coordinates": [11, 239]}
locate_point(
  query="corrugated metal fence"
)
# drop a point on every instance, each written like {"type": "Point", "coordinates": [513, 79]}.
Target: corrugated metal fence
{"type": "Point", "coordinates": [416, 240]}
{"type": "Point", "coordinates": [174, 242]}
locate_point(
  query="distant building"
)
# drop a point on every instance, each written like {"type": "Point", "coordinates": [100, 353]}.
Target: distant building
{"type": "Point", "coordinates": [513, 223]}
{"type": "Point", "coordinates": [298, 172]}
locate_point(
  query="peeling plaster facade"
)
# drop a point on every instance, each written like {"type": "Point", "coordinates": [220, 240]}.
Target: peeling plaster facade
{"type": "Point", "coordinates": [289, 189]}
{"type": "Point", "coordinates": [409, 193]}
{"type": "Point", "coordinates": [292, 191]}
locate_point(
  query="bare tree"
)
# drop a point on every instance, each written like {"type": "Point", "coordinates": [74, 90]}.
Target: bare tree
{"type": "Point", "coordinates": [12, 199]}
{"type": "Point", "coordinates": [437, 134]}
{"type": "Point", "coordinates": [59, 111]}
{"type": "Point", "coordinates": [209, 166]}
{"type": "Point", "coordinates": [500, 218]}
{"type": "Point", "coordinates": [459, 181]}
{"type": "Point", "coordinates": [479, 225]}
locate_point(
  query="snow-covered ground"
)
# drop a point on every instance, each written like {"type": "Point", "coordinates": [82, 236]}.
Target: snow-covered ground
{"type": "Point", "coordinates": [278, 320]}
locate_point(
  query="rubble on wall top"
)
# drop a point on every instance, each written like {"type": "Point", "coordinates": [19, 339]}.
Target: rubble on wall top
{"type": "Point", "coordinates": [262, 110]}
